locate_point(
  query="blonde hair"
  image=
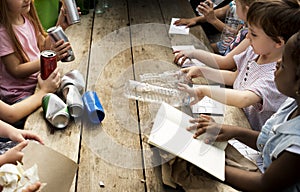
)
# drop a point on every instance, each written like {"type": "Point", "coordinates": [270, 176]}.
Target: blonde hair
{"type": "Point", "coordinates": [5, 22]}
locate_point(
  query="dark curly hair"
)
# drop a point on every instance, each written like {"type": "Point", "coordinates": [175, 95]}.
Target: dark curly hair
{"type": "Point", "coordinates": [278, 18]}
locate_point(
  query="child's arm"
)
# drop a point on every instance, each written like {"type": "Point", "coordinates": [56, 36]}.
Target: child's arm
{"type": "Point", "coordinates": [17, 111]}
{"type": "Point", "coordinates": [212, 59]}
{"type": "Point", "coordinates": [221, 132]}
{"type": "Point", "coordinates": [226, 96]}
{"type": "Point", "coordinates": [14, 66]}
{"type": "Point", "coordinates": [219, 76]}
{"type": "Point", "coordinates": [213, 16]}
{"type": "Point", "coordinates": [282, 173]}
{"type": "Point", "coordinates": [218, 13]}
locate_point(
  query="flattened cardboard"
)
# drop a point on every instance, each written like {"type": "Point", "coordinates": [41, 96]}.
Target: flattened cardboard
{"type": "Point", "coordinates": [55, 169]}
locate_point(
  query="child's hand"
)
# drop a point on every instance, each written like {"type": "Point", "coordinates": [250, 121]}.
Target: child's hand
{"type": "Point", "coordinates": [14, 154]}
{"type": "Point", "coordinates": [214, 131]}
{"type": "Point", "coordinates": [52, 83]}
{"type": "Point", "coordinates": [196, 94]}
{"type": "Point", "coordinates": [33, 188]}
{"type": "Point", "coordinates": [182, 56]}
{"type": "Point", "coordinates": [192, 72]}
{"type": "Point", "coordinates": [188, 22]}
{"type": "Point", "coordinates": [207, 10]}
{"type": "Point", "coordinates": [61, 48]}
{"type": "Point", "coordinates": [20, 135]}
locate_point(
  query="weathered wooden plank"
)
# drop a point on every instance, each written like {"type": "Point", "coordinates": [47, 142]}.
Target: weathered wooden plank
{"type": "Point", "coordinates": [152, 53]}
{"type": "Point", "coordinates": [66, 141]}
{"type": "Point", "coordinates": [110, 152]}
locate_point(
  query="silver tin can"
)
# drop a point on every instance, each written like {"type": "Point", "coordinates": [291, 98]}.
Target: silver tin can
{"type": "Point", "coordinates": [72, 12]}
{"type": "Point", "coordinates": [73, 77]}
{"type": "Point", "coordinates": [55, 110]}
{"type": "Point", "coordinates": [73, 100]}
{"type": "Point", "coordinates": [57, 33]}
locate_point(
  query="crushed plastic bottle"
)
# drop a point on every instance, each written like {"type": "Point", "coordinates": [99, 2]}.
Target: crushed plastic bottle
{"type": "Point", "coordinates": [155, 94]}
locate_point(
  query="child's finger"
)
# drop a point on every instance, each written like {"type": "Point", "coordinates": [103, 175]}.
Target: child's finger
{"type": "Point", "coordinates": [21, 145]}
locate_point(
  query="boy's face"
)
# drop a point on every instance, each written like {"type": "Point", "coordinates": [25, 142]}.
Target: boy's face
{"type": "Point", "coordinates": [262, 44]}
{"type": "Point", "coordinates": [285, 75]}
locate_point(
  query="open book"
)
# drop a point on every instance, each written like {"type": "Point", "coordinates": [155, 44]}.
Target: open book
{"type": "Point", "coordinates": [169, 133]}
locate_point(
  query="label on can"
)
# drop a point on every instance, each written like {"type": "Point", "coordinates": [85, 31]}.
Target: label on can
{"type": "Point", "coordinates": [55, 110]}
{"type": "Point", "coordinates": [48, 63]}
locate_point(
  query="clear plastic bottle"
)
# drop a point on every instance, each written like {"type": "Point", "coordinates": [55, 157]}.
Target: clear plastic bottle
{"type": "Point", "coordinates": [157, 88]}
{"type": "Point", "coordinates": [232, 25]}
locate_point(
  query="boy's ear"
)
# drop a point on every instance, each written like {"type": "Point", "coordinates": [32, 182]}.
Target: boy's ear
{"type": "Point", "coordinates": [280, 43]}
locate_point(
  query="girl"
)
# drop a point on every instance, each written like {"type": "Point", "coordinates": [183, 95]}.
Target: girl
{"type": "Point", "coordinates": [279, 140]}
{"type": "Point", "coordinates": [271, 23]}
{"type": "Point", "coordinates": [22, 40]}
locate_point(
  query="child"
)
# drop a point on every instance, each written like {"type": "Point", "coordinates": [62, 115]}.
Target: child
{"type": "Point", "coordinates": [14, 113]}
{"type": "Point", "coordinates": [279, 140]}
{"type": "Point", "coordinates": [225, 61]}
{"type": "Point", "coordinates": [271, 23]}
{"type": "Point", "coordinates": [22, 40]}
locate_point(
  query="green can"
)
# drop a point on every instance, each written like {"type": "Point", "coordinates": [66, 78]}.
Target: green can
{"type": "Point", "coordinates": [55, 110]}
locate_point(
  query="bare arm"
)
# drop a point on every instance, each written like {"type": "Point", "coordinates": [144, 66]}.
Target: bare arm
{"type": "Point", "coordinates": [212, 59]}
{"type": "Point", "coordinates": [227, 96]}
{"type": "Point", "coordinates": [282, 173]}
{"type": "Point", "coordinates": [17, 111]}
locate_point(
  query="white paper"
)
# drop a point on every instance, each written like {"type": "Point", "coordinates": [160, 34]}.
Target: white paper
{"type": "Point", "coordinates": [181, 29]}
{"type": "Point", "coordinates": [188, 62]}
{"type": "Point", "coordinates": [169, 133]}
{"type": "Point", "coordinates": [208, 106]}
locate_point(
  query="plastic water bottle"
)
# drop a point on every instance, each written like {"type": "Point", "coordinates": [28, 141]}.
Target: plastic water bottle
{"type": "Point", "coordinates": [232, 24]}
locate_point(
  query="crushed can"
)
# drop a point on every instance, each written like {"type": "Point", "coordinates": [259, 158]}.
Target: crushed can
{"type": "Point", "coordinates": [57, 33]}
{"type": "Point", "coordinates": [55, 110]}
{"type": "Point", "coordinates": [73, 77]}
{"type": "Point", "coordinates": [73, 100]}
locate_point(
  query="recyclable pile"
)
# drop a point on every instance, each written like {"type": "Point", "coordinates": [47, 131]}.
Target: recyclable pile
{"type": "Point", "coordinates": [158, 88]}
{"type": "Point", "coordinates": [73, 102]}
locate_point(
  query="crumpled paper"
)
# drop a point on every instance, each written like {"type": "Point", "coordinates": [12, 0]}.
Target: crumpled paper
{"type": "Point", "coordinates": [13, 178]}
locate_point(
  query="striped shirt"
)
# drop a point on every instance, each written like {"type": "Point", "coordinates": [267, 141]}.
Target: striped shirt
{"type": "Point", "coordinates": [258, 78]}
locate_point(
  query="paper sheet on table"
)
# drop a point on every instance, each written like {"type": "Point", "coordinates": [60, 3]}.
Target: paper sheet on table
{"type": "Point", "coordinates": [54, 169]}
{"type": "Point", "coordinates": [169, 133]}
{"type": "Point", "coordinates": [181, 30]}
{"type": "Point", "coordinates": [208, 105]}
{"type": "Point", "coordinates": [188, 62]}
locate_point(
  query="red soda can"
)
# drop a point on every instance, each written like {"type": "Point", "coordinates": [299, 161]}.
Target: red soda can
{"type": "Point", "coordinates": [48, 63]}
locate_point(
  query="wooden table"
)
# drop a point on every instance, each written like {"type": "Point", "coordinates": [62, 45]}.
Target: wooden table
{"type": "Point", "coordinates": [129, 39]}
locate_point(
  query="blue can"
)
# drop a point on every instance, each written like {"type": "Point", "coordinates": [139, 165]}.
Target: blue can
{"type": "Point", "coordinates": [93, 107]}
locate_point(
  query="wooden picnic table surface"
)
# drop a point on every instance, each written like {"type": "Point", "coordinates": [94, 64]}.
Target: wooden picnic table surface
{"type": "Point", "coordinates": [129, 39]}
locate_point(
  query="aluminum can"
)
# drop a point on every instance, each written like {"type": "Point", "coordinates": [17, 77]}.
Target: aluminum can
{"type": "Point", "coordinates": [48, 63]}
{"type": "Point", "coordinates": [57, 33]}
{"type": "Point", "coordinates": [73, 100]}
{"type": "Point", "coordinates": [55, 110]}
{"type": "Point", "coordinates": [73, 77]}
{"type": "Point", "coordinates": [72, 12]}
